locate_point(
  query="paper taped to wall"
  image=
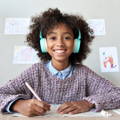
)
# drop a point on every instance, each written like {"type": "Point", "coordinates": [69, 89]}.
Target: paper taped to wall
{"type": "Point", "coordinates": [15, 26]}
{"type": "Point", "coordinates": [24, 55]}
{"type": "Point", "coordinates": [98, 26]}
{"type": "Point", "coordinates": [109, 59]}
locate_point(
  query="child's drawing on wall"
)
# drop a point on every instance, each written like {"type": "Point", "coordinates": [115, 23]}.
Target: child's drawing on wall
{"type": "Point", "coordinates": [109, 59]}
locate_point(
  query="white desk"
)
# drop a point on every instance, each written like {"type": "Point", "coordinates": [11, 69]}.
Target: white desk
{"type": "Point", "coordinates": [10, 117]}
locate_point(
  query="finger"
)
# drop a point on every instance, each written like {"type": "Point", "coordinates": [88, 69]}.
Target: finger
{"type": "Point", "coordinates": [43, 105]}
{"type": "Point", "coordinates": [75, 111]}
{"type": "Point", "coordinates": [37, 113]}
{"type": "Point", "coordinates": [69, 109]}
{"type": "Point", "coordinates": [34, 111]}
{"type": "Point", "coordinates": [46, 105]}
{"type": "Point", "coordinates": [63, 107]}
{"type": "Point", "coordinates": [37, 110]}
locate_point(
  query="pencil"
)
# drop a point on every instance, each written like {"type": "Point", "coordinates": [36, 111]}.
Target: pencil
{"type": "Point", "coordinates": [32, 91]}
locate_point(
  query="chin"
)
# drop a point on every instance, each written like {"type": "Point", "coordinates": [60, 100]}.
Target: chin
{"type": "Point", "coordinates": [61, 60]}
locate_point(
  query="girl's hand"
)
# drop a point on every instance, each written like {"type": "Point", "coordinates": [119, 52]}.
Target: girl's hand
{"type": "Point", "coordinates": [31, 107]}
{"type": "Point", "coordinates": [75, 107]}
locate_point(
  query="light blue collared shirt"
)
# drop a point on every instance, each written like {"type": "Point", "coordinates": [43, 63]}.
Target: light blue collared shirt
{"type": "Point", "coordinates": [67, 72]}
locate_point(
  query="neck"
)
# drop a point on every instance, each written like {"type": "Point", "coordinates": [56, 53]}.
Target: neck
{"type": "Point", "coordinates": [60, 65]}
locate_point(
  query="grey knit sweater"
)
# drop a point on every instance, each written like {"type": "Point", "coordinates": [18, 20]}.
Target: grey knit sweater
{"type": "Point", "coordinates": [83, 84]}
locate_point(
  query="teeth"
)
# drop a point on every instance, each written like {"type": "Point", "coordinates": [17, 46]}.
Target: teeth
{"type": "Point", "coordinates": [59, 51]}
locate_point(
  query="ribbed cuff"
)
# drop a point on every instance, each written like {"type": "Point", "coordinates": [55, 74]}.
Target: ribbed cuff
{"type": "Point", "coordinates": [98, 106]}
{"type": "Point", "coordinates": [8, 107]}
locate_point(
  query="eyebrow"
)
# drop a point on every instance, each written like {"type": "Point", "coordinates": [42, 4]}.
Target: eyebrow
{"type": "Point", "coordinates": [51, 33]}
{"type": "Point", "coordinates": [55, 33]}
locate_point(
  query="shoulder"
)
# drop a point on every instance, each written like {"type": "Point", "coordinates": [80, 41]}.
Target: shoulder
{"type": "Point", "coordinates": [38, 67]}
{"type": "Point", "coordinates": [85, 70]}
{"type": "Point", "coordinates": [33, 69]}
{"type": "Point", "coordinates": [89, 73]}
{"type": "Point", "coordinates": [81, 67]}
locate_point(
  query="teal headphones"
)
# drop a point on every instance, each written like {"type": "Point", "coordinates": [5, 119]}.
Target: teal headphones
{"type": "Point", "coordinates": [76, 48]}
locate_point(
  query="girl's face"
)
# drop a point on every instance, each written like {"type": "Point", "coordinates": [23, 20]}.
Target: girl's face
{"type": "Point", "coordinates": [60, 42]}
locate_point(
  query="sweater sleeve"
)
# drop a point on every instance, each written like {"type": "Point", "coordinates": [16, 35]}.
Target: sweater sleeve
{"type": "Point", "coordinates": [16, 88]}
{"type": "Point", "coordinates": [101, 92]}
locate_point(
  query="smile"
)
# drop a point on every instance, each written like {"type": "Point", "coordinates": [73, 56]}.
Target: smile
{"type": "Point", "coordinates": [60, 51]}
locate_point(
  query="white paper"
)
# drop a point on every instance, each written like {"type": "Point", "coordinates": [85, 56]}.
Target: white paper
{"type": "Point", "coordinates": [108, 59]}
{"type": "Point", "coordinates": [15, 26]}
{"type": "Point", "coordinates": [24, 55]}
{"type": "Point", "coordinates": [53, 113]}
{"type": "Point", "coordinates": [98, 26]}
{"type": "Point", "coordinates": [116, 111]}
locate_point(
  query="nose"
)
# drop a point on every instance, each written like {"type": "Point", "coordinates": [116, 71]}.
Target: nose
{"type": "Point", "coordinates": [60, 42]}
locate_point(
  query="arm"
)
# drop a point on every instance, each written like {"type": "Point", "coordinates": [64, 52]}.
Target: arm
{"type": "Point", "coordinates": [30, 107]}
{"type": "Point", "coordinates": [101, 92]}
{"type": "Point", "coordinates": [16, 88]}
{"type": "Point", "coordinates": [75, 107]}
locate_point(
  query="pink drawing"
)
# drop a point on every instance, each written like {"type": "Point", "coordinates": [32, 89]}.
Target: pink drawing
{"type": "Point", "coordinates": [109, 60]}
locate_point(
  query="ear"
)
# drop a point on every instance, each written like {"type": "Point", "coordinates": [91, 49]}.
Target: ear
{"type": "Point", "coordinates": [43, 44]}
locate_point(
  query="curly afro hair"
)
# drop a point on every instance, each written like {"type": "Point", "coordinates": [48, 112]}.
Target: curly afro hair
{"type": "Point", "coordinates": [53, 17]}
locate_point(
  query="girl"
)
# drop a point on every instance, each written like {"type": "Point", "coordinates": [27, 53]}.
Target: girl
{"type": "Point", "coordinates": [62, 42]}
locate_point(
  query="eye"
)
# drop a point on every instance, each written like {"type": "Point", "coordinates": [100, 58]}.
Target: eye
{"type": "Point", "coordinates": [68, 38]}
{"type": "Point", "coordinates": [52, 38]}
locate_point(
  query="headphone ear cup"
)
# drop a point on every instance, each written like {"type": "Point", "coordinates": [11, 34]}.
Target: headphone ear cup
{"type": "Point", "coordinates": [43, 45]}
{"type": "Point", "coordinates": [77, 43]}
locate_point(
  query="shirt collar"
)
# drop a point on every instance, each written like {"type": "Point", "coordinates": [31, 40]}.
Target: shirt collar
{"type": "Point", "coordinates": [64, 72]}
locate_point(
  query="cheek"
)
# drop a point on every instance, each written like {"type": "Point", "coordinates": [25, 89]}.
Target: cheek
{"type": "Point", "coordinates": [71, 45]}
{"type": "Point", "coordinates": [49, 48]}
{"type": "Point", "coordinates": [48, 45]}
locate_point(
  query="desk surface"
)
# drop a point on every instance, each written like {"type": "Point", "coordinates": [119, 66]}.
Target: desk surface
{"type": "Point", "coordinates": [10, 117]}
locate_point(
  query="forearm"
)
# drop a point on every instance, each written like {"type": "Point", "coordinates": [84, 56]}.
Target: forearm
{"type": "Point", "coordinates": [104, 101]}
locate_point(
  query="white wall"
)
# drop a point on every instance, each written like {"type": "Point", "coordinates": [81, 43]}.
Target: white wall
{"type": "Point", "coordinates": [90, 9]}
